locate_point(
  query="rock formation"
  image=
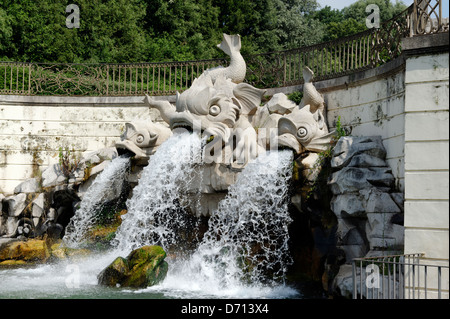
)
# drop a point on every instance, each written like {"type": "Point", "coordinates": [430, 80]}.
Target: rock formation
{"type": "Point", "coordinates": [368, 209]}
{"type": "Point", "coordinates": [143, 267]}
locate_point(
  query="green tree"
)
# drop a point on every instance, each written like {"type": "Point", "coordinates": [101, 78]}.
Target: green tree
{"type": "Point", "coordinates": [296, 26]}
{"type": "Point", "coordinates": [109, 31]}
{"type": "Point", "coordinates": [181, 29]}
{"type": "Point", "coordinates": [358, 12]}
{"type": "Point", "coordinates": [352, 19]}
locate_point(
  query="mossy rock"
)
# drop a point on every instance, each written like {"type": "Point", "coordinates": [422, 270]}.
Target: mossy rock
{"type": "Point", "coordinates": [58, 251]}
{"type": "Point", "coordinates": [143, 267]}
{"type": "Point", "coordinates": [29, 250]}
{"type": "Point", "coordinates": [115, 274]}
{"type": "Point", "coordinates": [11, 263]}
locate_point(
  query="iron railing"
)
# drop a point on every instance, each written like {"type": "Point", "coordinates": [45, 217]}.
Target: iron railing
{"type": "Point", "coordinates": [399, 277]}
{"type": "Point", "coordinates": [103, 79]}
{"type": "Point", "coordinates": [328, 60]}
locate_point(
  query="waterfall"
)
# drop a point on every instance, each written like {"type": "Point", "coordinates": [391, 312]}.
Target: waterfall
{"type": "Point", "coordinates": [246, 244]}
{"type": "Point", "coordinates": [109, 181]}
{"type": "Point", "coordinates": [154, 212]}
{"type": "Point", "coordinates": [247, 238]}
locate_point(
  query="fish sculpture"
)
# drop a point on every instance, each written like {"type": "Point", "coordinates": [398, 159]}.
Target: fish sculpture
{"type": "Point", "coordinates": [141, 138]}
{"type": "Point", "coordinates": [218, 105]}
{"type": "Point", "coordinates": [304, 130]}
{"type": "Point", "coordinates": [231, 45]}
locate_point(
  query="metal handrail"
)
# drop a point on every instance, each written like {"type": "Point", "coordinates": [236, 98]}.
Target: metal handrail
{"type": "Point", "coordinates": [400, 277]}
{"type": "Point", "coordinates": [332, 59]}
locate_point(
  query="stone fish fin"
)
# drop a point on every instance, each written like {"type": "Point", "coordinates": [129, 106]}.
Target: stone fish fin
{"type": "Point", "coordinates": [230, 43]}
{"type": "Point", "coordinates": [249, 97]}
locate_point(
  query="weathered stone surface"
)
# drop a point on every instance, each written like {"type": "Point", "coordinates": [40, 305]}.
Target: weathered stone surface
{"type": "Point", "coordinates": [38, 205]}
{"type": "Point", "coordinates": [115, 273]}
{"type": "Point", "coordinates": [30, 185]}
{"type": "Point", "coordinates": [349, 146]}
{"type": "Point", "coordinates": [343, 282]}
{"type": "Point", "coordinates": [16, 204]}
{"type": "Point", "coordinates": [366, 160]}
{"type": "Point", "coordinates": [346, 205]}
{"type": "Point", "coordinates": [30, 250]}
{"type": "Point", "coordinates": [381, 233]}
{"type": "Point", "coordinates": [369, 213]}
{"type": "Point", "coordinates": [354, 251]}
{"type": "Point", "coordinates": [11, 225]}
{"type": "Point", "coordinates": [99, 156]}
{"type": "Point", "coordinates": [379, 202]}
{"type": "Point", "coordinates": [52, 176]}
{"type": "Point", "coordinates": [354, 179]}
{"type": "Point", "coordinates": [12, 263]}
{"type": "Point", "coordinates": [279, 103]}
{"type": "Point", "coordinates": [398, 199]}
{"type": "Point", "coordinates": [143, 267]}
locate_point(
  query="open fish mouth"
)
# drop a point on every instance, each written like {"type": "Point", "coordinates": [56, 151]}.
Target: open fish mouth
{"type": "Point", "coordinates": [128, 147]}
{"type": "Point", "coordinates": [185, 121]}
{"type": "Point", "coordinates": [288, 141]}
{"type": "Point", "coordinates": [182, 125]}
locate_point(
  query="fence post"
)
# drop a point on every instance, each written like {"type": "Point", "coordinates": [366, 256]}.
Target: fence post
{"type": "Point", "coordinates": [355, 290]}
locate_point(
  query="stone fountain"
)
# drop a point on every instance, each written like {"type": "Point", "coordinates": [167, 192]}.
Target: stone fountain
{"type": "Point", "coordinates": [228, 114]}
{"type": "Point", "coordinates": [236, 128]}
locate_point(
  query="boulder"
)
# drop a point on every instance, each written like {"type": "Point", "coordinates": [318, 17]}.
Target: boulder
{"type": "Point", "coordinates": [354, 179]}
{"type": "Point", "coordinates": [96, 157]}
{"type": "Point", "coordinates": [343, 282]}
{"type": "Point", "coordinates": [380, 202]}
{"type": "Point", "coordinates": [143, 267]}
{"type": "Point", "coordinates": [16, 204]}
{"type": "Point", "coordinates": [30, 185]}
{"type": "Point", "coordinates": [53, 176]}
{"type": "Point", "coordinates": [29, 250]}
{"type": "Point", "coordinates": [350, 146]}
{"type": "Point", "coordinates": [381, 233]}
{"type": "Point", "coordinates": [348, 205]}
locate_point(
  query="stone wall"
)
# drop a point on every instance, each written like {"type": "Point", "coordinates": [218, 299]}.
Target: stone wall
{"type": "Point", "coordinates": [369, 103]}
{"type": "Point", "coordinates": [33, 128]}
{"type": "Point", "coordinates": [427, 160]}
{"type": "Point", "coordinates": [374, 107]}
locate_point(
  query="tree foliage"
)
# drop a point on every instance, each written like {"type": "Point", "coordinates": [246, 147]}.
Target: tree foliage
{"type": "Point", "coordinates": [162, 30]}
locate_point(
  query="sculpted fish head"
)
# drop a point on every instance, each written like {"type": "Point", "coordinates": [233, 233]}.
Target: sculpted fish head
{"type": "Point", "coordinates": [303, 130]}
{"type": "Point", "coordinates": [214, 108]}
{"type": "Point", "coordinates": [142, 138]}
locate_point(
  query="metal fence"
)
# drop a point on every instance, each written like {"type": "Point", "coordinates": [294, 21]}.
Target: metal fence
{"type": "Point", "coordinates": [106, 79]}
{"type": "Point", "coordinates": [399, 277]}
{"type": "Point", "coordinates": [332, 59]}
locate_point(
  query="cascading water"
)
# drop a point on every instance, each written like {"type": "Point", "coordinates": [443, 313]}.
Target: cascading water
{"type": "Point", "coordinates": [242, 255]}
{"type": "Point", "coordinates": [109, 181]}
{"type": "Point", "coordinates": [154, 212]}
{"type": "Point", "coordinates": [248, 233]}
{"type": "Point", "coordinates": [247, 239]}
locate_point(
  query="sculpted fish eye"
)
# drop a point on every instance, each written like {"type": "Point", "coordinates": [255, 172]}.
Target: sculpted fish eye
{"type": "Point", "coordinates": [139, 138]}
{"type": "Point", "coordinates": [214, 110]}
{"type": "Point", "coordinates": [302, 132]}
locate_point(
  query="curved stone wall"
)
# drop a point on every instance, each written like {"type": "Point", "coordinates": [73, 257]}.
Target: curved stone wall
{"type": "Point", "coordinates": [33, 128]}
{"type": "Point", "coordinates": [369, 103]}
